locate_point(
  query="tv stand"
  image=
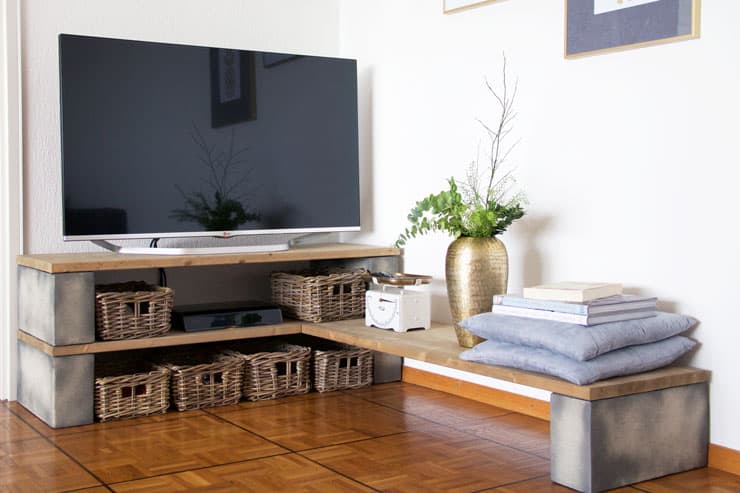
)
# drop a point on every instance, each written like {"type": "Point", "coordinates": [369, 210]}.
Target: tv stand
{"type": "Point", "coordinates": [56, 314]}
{"type": "Point", "coordinates": [274, 247]}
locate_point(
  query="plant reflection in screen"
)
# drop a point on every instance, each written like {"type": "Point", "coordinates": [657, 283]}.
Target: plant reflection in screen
{"type": "Point", "coordinates": [222, 209]}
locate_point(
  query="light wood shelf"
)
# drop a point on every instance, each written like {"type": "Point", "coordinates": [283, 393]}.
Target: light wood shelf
{"type": "Point", "coordinates": [172, 338]}
{"type": "Point", "coordinates": [438, 345]}
{"type": "Point", "coordinates": [57, 263]}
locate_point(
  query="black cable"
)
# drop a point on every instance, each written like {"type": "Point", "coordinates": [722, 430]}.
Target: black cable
{"type": "Point", "coordinates": [162, 273]}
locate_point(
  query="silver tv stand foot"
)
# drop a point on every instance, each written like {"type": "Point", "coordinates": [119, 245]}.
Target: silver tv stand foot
{"type": "Point", "coordinates": [276, 247]}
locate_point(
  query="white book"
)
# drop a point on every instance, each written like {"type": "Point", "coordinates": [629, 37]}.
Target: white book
{"type": "Point", "coordinates": [572, 291]}
{"type": "Point", "coordinates": [573, 318]}
{"type": "Point", "coordinates": [616, 303]}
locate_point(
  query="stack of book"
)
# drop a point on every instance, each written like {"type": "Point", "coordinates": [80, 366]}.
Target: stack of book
{"type": "Point", "coordinates": [577, 303]}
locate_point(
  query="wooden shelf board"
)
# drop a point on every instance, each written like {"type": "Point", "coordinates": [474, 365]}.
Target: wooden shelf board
{"type": "Point", "coordinates": [173, 338]}
{"type": "Point", "coordinates": [439, 345]}
{"type": "Point", "coordinates": [57, 263]}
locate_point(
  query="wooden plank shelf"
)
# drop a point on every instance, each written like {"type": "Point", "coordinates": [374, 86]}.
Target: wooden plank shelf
{"type": "Point", "coordinates": [173, 338]}
{"type": "Point", "coordinates": [438, 345]}
{"type": "Point", "coordinates": [57, 263]}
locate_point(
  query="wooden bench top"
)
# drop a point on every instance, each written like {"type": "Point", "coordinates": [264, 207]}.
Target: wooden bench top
{"type": "Point", "coordinates": [439, 345]}
{"type": "Point", "coordinates": [59, 263]}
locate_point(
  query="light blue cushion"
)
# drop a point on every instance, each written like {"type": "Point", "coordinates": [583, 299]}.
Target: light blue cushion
{"type": "Point", "coordinates": [625, 361]}
{"type": "Point", "coordinates": [576, 341]}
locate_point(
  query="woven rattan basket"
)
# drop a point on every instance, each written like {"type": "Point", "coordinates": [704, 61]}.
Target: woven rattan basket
{"type": "Point", "coordinates": [321, 298]}
{"type": "Point", "coordinates": [198, 384]}
{"type": "Point", "coordinates": [341, 367]}
{"type": "Point", "coordinates": [132, 310]}
{"type": "Point", "coordinates": [121, 395]}
{"type": "Point", "coordinates": [275, 370]}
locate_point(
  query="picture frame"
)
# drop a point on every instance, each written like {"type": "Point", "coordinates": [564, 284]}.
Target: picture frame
{"type": "Point", "coordinates": [232, 87]}
{"type": "Point", "coordinates": [601, 26]}
{"type": "Point", "coordinates": [452, 6]}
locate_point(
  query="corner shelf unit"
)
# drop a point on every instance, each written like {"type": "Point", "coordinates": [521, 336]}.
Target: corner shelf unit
{"type": "Point", "coordinates": [56, 317]}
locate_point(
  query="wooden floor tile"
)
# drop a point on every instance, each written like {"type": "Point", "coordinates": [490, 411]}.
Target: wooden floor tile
{"type": "Point", "coordinates": [48, 431]}
{"type": "Point", "coordinates": [430, 404]}
{"type": "Point", "coordinates": [518, 431]}
{"type": "Point", "coordinates": [96, 489]}
{"type": "Point", "coordinates": [134, 452]}
{"type": "Point", "coordinates": [704, 480]}
{"type": "Point", "coordinates": [219, 410]}
{"type": "Point", "coordinates": [436, 459]}
{"type": "Point", "coordinates": [544, 485]}
{"type": "Point", "coordinates": [12, 428]}
{"type": "Point", "coordinates": [36, 465]}
{"type": "Point", "coordinates": [282, 473]}
{"type": "Point", "coordinates": [313, 423]}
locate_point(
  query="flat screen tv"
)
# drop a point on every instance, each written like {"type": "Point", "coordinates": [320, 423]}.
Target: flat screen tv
{"type": "Point", "coordinates": [165, 140]}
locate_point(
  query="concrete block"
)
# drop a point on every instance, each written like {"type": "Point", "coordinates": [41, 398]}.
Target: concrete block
{"type": "Point", "coordinates": [604, 444]}
{"type": "Point", "coordinates": [59, 309]}
{"type": "Point", "coordinates": [392, 263]}
{"type": "Point", "coordinates": [387, 367]}
{"type": "Point", "coordinates": [58, 390]}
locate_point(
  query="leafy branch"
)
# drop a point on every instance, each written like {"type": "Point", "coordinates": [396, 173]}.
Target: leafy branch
{"type": "Point", "coordinates": [477, 207]}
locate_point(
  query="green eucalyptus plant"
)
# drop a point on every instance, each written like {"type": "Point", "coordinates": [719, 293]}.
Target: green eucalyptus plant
{"type": "Point", "coordinates": [482, 205]}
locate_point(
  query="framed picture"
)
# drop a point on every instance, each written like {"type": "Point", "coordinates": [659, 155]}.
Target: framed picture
{"type": "Point", "coordinates": [232, 87]}
{"type": "Point", "coordinates": [597, 26]}
{"type": "Point", "coordinates": [449, 6]}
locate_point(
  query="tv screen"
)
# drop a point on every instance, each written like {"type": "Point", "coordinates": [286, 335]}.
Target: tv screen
{"type": "Point", "coordinates": [166, 140]}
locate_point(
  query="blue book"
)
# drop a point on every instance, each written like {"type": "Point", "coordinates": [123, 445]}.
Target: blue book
{"type": "Point", "coordinates": [610, 304]}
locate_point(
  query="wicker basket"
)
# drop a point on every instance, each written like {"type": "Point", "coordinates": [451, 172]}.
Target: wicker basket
{"type": "Point", "coordinates": [119, 395]}
{"type": "Point", "coordinates": [321, 298]}
{"type": "Point", "coordinates": [196, 385]}
{"type": "Point", "coordinates": [341, 367]}
{"type": "Point", "coordinates": [132, 310]}
{"type": "Point", "coordinates": [276, 370]}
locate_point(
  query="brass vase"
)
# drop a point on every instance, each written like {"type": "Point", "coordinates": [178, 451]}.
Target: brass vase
{"type": "Point", "coordinates": [476, 269]}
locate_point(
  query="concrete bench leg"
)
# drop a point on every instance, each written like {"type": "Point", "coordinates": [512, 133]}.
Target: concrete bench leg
{"type": "Point", "coordinates": [57, 390]}
{"type": "Point", "coordinates": [59, 309]}
{"type": "Point", "coordinates": [603, 444]}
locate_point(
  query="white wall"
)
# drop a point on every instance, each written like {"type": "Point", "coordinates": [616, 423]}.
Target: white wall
{"type": "Point", "coordinates": [10, 188]}
{"type": "Point", "coordinates": [628, 159]}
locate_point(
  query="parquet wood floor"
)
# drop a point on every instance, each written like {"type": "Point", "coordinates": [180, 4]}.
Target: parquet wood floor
{"type": "Point", "coordinates": [391, 437]}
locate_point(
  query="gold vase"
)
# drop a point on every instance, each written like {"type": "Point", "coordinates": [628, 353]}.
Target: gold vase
{"type": "Point", "coordinates": [476, 269]}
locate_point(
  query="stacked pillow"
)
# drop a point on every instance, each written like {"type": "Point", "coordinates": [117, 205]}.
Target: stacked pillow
{"type": "Point", "coordinates": [577, 353]}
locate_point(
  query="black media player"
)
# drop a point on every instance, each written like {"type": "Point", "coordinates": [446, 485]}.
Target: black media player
{"type": "Point", "coordinates": [211, 316]}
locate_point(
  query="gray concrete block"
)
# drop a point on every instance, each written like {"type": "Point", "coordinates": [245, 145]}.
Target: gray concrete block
{"type": "Point", "coordinates": [604, 444]}
{"type": "Point", "coordinates": [392, 263]}
{"type": "Point", "coordinates": [387, 367]}
{"type": "Point", "coordinates": [58, 390]}
{"type": "Point", "coordinates": [59, 309]}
